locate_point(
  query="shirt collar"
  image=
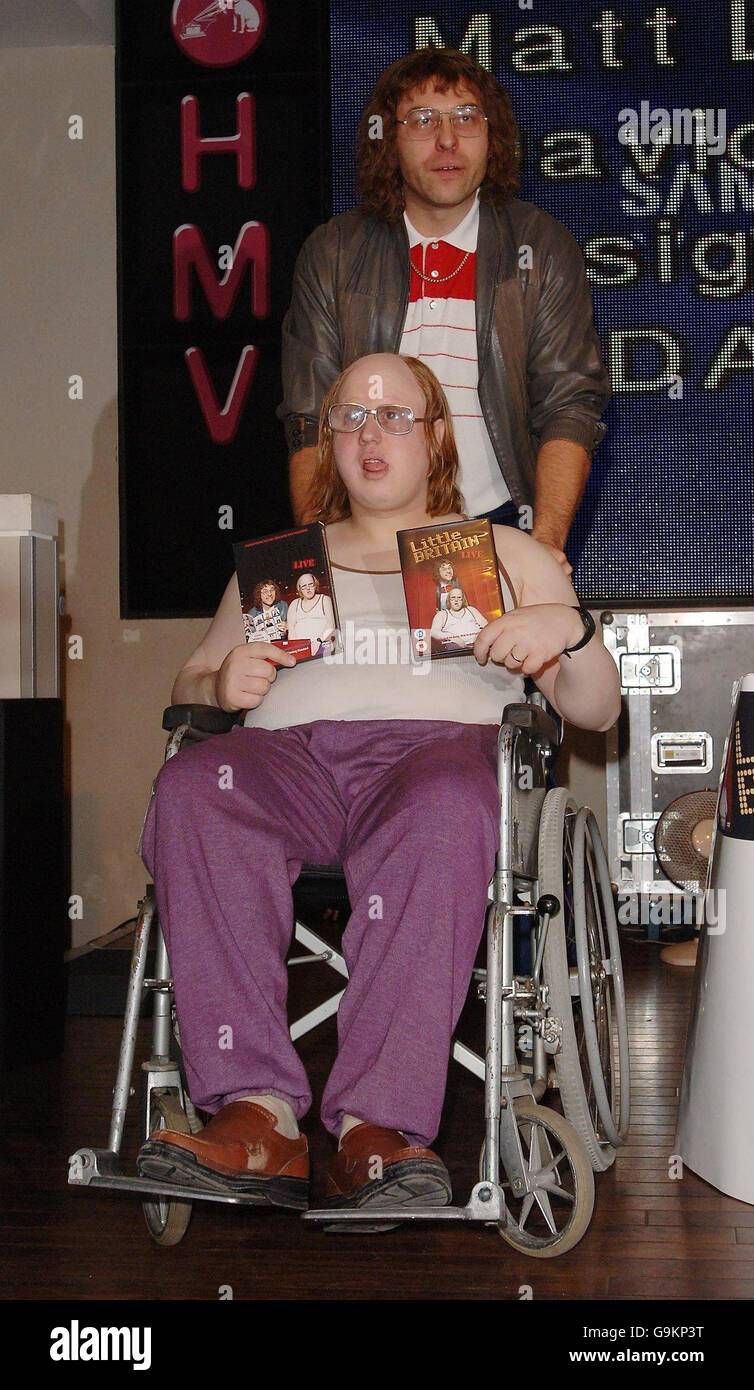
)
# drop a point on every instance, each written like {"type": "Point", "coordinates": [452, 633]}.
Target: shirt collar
{"type": "Point", "coordinates": [463, 237]}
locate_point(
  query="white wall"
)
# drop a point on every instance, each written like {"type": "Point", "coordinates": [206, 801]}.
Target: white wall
{"type": "Point", "coordinates": [58, 315]}
{"type": "Point", "coordinates": [43, 23]}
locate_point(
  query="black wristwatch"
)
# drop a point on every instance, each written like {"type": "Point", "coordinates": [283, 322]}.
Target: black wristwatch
{"type": "Point", "coordinates": [588, 622]}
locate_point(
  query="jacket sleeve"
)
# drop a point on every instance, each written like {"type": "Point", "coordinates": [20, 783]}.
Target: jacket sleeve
{"type": "Point", "coordinates": [568, 384]}
{"type": "Point", "coordinates": [311, 347]}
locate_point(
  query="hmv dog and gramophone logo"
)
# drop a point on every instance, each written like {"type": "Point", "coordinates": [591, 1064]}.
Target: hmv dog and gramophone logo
{"type": "Point", "coordinates": [220, 34]}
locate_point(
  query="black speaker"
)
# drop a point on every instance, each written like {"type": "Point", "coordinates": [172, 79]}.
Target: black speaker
{"type": "Point", "coordinates": [34, 881]}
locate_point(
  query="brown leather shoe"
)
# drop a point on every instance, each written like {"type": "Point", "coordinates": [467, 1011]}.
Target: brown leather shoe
{"type": "Point", "coordinates": [376, 1167]}
{"type": "Point", "coordinates": [238, 1151]}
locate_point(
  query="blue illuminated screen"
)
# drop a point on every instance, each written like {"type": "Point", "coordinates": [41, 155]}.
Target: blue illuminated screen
{"type": "Point", "coordinates": [661, 207]}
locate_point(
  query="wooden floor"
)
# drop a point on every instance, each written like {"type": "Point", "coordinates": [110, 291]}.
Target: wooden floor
{"type": "Point", "coordinates": [652, 1237]}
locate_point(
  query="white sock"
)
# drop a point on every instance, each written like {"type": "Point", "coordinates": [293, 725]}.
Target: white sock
{"type": "Point", "coordinates": [348, 1122]}
{"type": "Point", "coordinates": [285, 1120]}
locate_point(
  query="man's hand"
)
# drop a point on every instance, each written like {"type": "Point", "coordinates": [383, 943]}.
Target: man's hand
{"type": "Point", "coordinates": [560, 555]}
{"type": "Point", "coordinates": [528, 638]}
{"type": "Point", "coordinates": [247, 674]}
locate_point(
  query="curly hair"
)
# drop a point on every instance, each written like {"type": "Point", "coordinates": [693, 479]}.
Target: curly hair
{"type": "Point", "coordinates": [328, 497]}
{"type": "Point", "coordinates": [437, 565]}
{"type": "Point", "coordinates": [256, 593]}
{"type": "Point", "coordinates": [380, 184]}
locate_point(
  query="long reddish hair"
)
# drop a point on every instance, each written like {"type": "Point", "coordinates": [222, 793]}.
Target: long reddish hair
{"type": "Point", "coordinates": [328, 497]}
{"type": "Point", "coordinates": [380, 185]}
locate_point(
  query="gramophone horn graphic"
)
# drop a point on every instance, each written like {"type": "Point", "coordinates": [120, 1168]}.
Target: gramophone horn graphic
{"type": "Point", "coordinates": [715, 1133]}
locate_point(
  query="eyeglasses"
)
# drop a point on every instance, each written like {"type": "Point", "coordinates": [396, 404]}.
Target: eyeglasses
{"type": "Point", "coordinates": [424, 121]}
{"type": "Point", "coordinates": [393, 419]}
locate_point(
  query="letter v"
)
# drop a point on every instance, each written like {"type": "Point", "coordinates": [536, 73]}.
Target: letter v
{"type": "Point", "coordinates": [222, 424]}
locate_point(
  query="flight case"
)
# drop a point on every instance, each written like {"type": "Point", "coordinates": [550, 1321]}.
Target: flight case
{"type": "Point", "coordinates": [679, 672]}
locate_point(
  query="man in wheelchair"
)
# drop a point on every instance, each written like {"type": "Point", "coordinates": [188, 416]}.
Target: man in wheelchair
{"type": "Point", "coordinates": [364, 765]}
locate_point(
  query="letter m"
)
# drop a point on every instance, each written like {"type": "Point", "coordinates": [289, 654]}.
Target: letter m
{"type": "Point", "coordinates": [190, 251]}
{"type": "Point", "coordinates": [115, 1344]}
{"type": "Point", "coordinates": [476, 39]}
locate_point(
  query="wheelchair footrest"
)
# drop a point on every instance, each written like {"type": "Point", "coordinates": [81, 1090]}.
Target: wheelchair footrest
{"type": "Point", "coordinates": [101, 1168]}
{"type": "Point", "coordinates": [486, 1203]}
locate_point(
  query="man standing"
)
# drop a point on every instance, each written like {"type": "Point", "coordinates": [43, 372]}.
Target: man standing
{"type": "Point", "coordinates": [440, 261]}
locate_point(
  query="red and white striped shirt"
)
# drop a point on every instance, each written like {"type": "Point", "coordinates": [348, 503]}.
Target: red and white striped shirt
{"type": "Point", "coordinates": [440, 329]}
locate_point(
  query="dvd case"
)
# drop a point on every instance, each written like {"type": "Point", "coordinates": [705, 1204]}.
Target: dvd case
{"type": "Point", "coordinates": [452, 585]}
{"type": "Point", "coordinates": [287, 595]}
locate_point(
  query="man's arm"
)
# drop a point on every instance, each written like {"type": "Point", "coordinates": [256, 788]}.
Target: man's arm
{"type": "Point", "coordinates": [568, 387]}
{"type": "Point", "coordinates": [311, 357]}
{"type": "Point", "coordinates": [301, 467]}
{"type": "Point", "coordinates": [562, 470]}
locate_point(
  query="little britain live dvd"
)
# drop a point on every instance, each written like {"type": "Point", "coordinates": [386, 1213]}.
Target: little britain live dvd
{"type": "Point", "coordinates": [287, 595]}
{"type": "Point", "coordinates": [452, 585]}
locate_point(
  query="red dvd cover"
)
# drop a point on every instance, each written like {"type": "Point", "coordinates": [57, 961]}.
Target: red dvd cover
{"type": "Point", "coordinates": [452, 585]}
{"type": "Point", "coordinates": [287, 595]}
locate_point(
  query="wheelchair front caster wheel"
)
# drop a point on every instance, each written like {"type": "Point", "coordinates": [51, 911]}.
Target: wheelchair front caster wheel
{"type": "Point", "coordinates": [552, 1216]}
{"type": "Point", "coordinates": [167, 1220]}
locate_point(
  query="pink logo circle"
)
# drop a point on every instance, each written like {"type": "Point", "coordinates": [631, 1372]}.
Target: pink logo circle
{"type": "Point", "coordinates": [219, 34]}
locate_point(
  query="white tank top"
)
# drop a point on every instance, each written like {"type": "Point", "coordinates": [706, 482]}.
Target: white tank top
{"type": "Point", "coordinates": [374, 676]}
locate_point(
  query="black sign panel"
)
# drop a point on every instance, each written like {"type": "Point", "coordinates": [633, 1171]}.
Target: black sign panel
{"type": "Point", "coordinates": [223, 171]}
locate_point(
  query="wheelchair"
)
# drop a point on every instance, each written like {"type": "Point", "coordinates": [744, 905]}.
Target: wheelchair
{"type": "Point", "coordinates": [559, 1025]}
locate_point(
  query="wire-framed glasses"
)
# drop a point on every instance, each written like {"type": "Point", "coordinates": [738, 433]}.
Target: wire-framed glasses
{"type": "Point", "coordinates": [425, 121]}
{"type": "Point", "coordinates": [393, 419]}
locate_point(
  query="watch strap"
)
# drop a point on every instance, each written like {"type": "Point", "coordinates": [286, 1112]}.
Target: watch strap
{"type": "Point", "coordinates": [589, 630]}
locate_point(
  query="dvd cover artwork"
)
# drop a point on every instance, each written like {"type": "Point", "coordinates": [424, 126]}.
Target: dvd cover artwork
{"type": "Point", "coordinates": [452, 585]}
{"type": "Point", "coordinates": [287, 593]}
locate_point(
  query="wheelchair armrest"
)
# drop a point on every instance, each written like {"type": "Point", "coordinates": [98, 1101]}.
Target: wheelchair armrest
{"type": "Point", "coordinates": [535, 720]}
{"type": "Point", "coordinates": [206, 719]}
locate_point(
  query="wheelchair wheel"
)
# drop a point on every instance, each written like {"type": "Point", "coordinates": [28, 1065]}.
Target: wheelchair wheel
{"type": "Point", "coordinates": [553, 1216]}
{"type": "Point", "coordinates": [167, 1219]}
{"type": "Point", "coordinates": [583, 971]}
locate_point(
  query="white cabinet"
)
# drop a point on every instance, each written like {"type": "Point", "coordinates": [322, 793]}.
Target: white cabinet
{"type": "Point", "coordinates": [29, 643]}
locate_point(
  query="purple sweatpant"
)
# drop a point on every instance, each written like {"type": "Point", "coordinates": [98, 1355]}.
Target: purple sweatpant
{"type": "Point", "coordinates": [410, 809]}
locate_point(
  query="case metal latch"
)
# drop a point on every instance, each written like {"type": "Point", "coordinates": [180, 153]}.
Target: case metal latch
{"type": "Point", "coordinates": [658, 669]}
{"type": "Point", "coordinates": [636, 834]}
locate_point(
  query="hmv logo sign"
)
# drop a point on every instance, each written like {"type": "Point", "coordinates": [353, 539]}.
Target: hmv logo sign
{"type": "Point", "coordinates": [219, 35]}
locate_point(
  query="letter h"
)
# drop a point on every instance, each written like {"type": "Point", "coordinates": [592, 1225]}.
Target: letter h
{"type": "Point", "coordinates": [242, 143]}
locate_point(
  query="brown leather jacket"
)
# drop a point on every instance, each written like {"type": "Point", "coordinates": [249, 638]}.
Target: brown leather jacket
{"type": "Point", "coordinates": [541, 374]}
